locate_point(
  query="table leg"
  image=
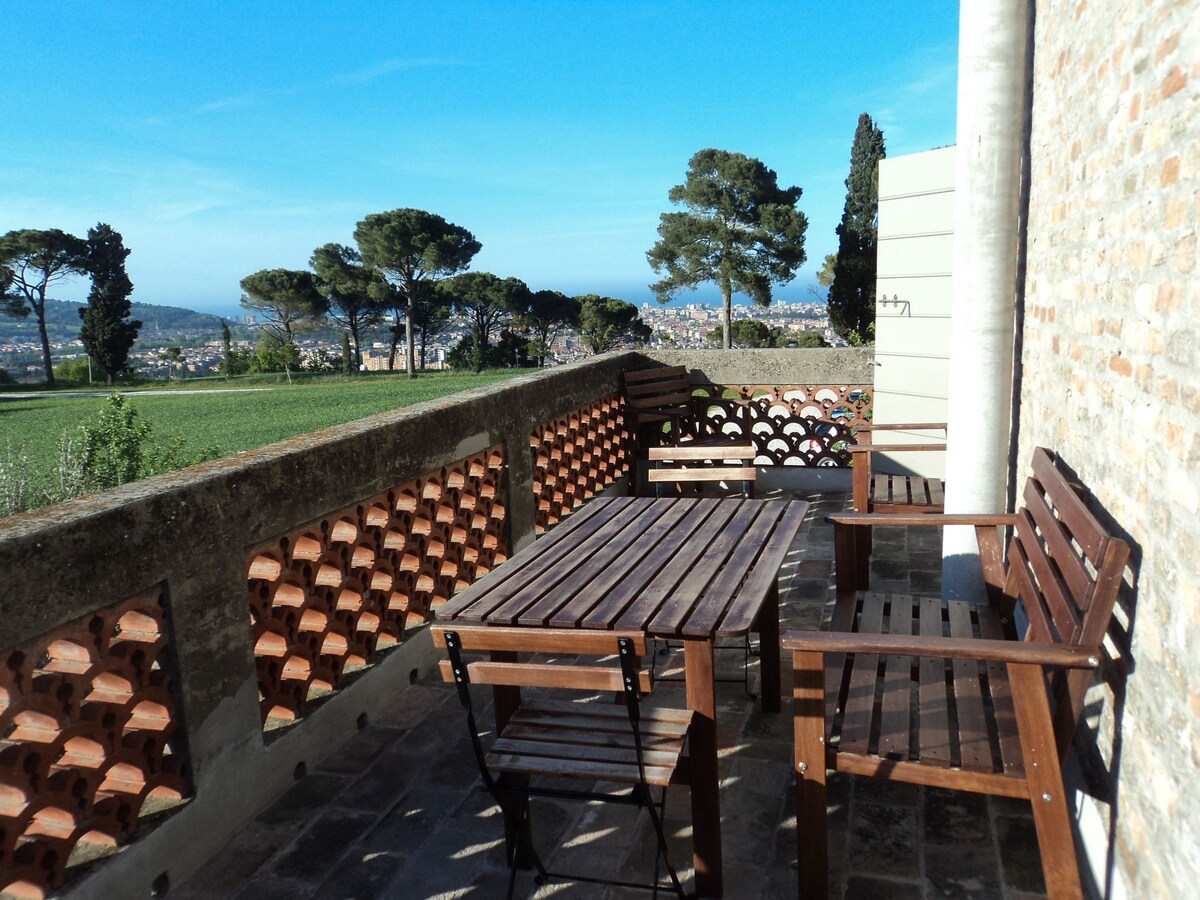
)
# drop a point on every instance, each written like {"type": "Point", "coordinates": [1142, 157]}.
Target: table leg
{"type": "Point", "coordinates": [706, 803]}
{"type": "Point", "coordinates": [768, 648]}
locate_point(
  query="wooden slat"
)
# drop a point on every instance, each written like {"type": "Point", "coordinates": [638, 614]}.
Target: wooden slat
{"type": "Point", "coordinates": [548, 748]}
{"type": "Point", "coordinates": [661, 400]}
{"type": "Point", "coordinates": [702, 451]}
{"type": "Point", "coordinates": [593, 731]}
{"type": "Point", "coordinates": [1058, 546]}
{"type": "Point", "coordinates": [972, 519]}
{"type": "Point", "coordinates": [870, 427]}
{"type": "Point", "coordinates": [991, 628]}
{"type": "Point", "coordinates": [937, 491]}
{"type": "Point", "coordinates": [583, 678]}
{"type": "Point", "coordinates": [476, 601]}
{"type": "Point", "coordinates": [860, 701]}
{"type": "Point", "coordinates": [664, 719]}
{"type": "Point", "coordinates": [933, 720]}
{"type": "Point", "coordinates": [895, 736]}
{"type": "Point", "coordinates": [537, 640]}
{"type": "Point", "coordinates": [592, 771]}
{"type": "Point", "coordinates": [657, 373]}
{"type": "Point", "coordinates": [893, 448]}
{"type": "Point", "coordinates": [635, 572]}
{"type": "Point", "coordinates": [1019, 584]}
{"type": "Point", "coordinates": [1084, 528]}
{"type": "Point", "coordinates": [589, 581]}
{"type": "Point", "coordinates": [881, 489]}
{"type": "Point", "coordinates": [709, 473]}
{"type": "Point", "coordinates": [933, 776]}
{"type": "Point", "coordinates": [975, 751]}
{"type": "Point", "coordinates": [1048, 654]}
{"type": "Point", "coordinates": [630, 571]}
{"type": "Point", "coordinates": [697, 550]}
{"type": "Point", "coordinates": [1056, 594]}
{"type": "Point", "coordinates": [541, 594]}
{"type": "Point", "coordinates": [740, 613]}
{"type": "Point", "coordinates": [689, 596]}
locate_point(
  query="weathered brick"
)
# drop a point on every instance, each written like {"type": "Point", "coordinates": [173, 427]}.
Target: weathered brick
{"type": "Point", "coordinates": [1170, 172]}
{"type": "Point", "coordinates": [1174, 81]}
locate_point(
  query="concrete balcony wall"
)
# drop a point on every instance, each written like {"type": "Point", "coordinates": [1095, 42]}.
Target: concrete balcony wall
{"type": "Point", "coordinates": [188, 538]}
{"type": "Point", "coordinates": [192, 532]}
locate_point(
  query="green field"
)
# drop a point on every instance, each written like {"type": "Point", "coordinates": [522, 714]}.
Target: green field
{"type": "Point", "coordinates": [228, 421]}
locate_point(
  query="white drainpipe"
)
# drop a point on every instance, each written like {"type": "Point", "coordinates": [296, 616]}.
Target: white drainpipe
{"type": "Point", "coordinates": [992, 108]}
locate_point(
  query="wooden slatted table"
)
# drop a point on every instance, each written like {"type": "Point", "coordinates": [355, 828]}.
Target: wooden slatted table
{"type": "Point", "coordinates": [691, 570]}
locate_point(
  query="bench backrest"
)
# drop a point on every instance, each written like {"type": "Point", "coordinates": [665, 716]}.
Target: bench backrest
{"type": "Point", "coordinates": [1065, 569]}
{"type": "Point", "coordinates": [591, 662]}
{"type": "Point", "coordinates": [666, 388]}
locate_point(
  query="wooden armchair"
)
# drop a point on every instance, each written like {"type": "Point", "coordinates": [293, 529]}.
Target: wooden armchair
{"type": "Point", "coordinates": [952, 695]}
{"type": "Point", "coordinates": [540, 741]}
{"type": "Point", "coordinates": [886, 492]}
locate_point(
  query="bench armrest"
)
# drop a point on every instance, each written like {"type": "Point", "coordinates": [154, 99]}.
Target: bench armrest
{"type": "Point", "coordinates": [856, 518]}
{"type": "Point", "coordinates": [946, 648]}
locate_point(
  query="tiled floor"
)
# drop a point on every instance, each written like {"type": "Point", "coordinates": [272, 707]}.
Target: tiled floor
{"type": "Point", "coordinates": [398, 811]}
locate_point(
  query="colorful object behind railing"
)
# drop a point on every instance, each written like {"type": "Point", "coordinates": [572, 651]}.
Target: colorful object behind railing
{"type": "Point", "coordinates": [89, 742]}
{"type": "Point", "coordinates": [576, 457]}
{"type": "Point", "coordinates": [325, 599]}
{"type": "Point", "coordinates": [793, 425]}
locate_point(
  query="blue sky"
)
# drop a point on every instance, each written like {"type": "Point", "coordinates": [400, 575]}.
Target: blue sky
{"type": "Point", "coordinates": [223, 138]}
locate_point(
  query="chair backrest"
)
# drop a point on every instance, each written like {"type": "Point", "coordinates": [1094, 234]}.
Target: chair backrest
{"type": "Point", "coordinates": [704, 461]}
{"type": "Point", "coordinates": [1065, 569]}
{"type": "Point", "coordinates": [577, 672]}
{"type": "Point", "coordinates": [658, 393]}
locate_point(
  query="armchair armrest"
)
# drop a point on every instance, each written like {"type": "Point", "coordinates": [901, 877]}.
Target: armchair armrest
{"type": "Point", "coordinates": [893, 448]}
{"type": "Point", "coordinates": [903, 426]}
{"type": "Point", "coordinates": [1030, 652]}
{"type": "Point", "coordinates": [855, 518]}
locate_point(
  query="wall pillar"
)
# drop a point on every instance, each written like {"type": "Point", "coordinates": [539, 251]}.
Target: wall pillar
{"type": "Point", "coordinates": [992, 112]}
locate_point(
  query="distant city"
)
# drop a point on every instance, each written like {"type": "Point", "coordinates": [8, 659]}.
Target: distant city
{"type": "Point", "coordinates": [199, 337]}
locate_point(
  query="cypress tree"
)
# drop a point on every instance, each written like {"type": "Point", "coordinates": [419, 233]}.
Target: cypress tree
{"type": "Point", "coordinates": [105, 333]}
{"type": "Point", "coordinates": [227, 349]}
{"type": "Point", "coordinates": [852, 293]}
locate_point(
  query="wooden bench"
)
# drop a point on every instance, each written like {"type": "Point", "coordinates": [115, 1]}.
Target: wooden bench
{"type": "Point", "coordinates": [541, 737]}
{"type": "Point", "coordinates": [950, 695]}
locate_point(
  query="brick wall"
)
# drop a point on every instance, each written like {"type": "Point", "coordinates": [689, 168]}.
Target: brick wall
{"type": "Point", "coordinates": [1111, 379]}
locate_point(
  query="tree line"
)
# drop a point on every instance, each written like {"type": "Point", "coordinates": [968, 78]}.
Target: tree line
{"type": "Point", "coordinates": [407, 271]}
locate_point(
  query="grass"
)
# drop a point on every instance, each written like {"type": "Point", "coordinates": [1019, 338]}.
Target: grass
{"type": "Point", "coordinates": [229, 421]}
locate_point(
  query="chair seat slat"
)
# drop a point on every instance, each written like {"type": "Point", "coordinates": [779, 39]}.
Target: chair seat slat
{"type": "Point", "coordinates": [933, 719]}
{"type": "Point", "coordinates": [895, 735]}
{"type": "Point", "coordinates": [975, 751]}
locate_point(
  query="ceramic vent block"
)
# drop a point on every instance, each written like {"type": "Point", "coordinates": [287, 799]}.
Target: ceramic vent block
{"type": "Point", "coordinates": [327, 599]}
{"type": "Point", "coordinates": [794, 425]}
{"type": "Point", "coordinates": [90, 742]}
{"type": "Point", "coordinates": [577, 456]}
